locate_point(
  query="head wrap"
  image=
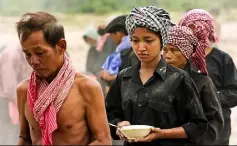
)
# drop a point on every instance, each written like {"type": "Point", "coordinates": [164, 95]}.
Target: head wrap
{"type": "Point", "coordinates": [182, 37]}
{"type": "Point", "coordinates": [204, 30]}
{"type": "Point", "coordinates": [150, 17]}
{"type": "Point", "coordinates": [91, 32]}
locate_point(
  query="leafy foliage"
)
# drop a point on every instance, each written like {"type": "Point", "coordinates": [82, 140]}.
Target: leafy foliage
{"type": "Point", "coordinates": [17, 7]}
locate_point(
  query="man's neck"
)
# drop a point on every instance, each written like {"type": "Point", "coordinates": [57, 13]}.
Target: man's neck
{"type": "Point", "coordinates": [51, 77]}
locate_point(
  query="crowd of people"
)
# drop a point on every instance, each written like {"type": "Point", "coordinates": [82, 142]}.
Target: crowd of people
{"type": "Point", "coordinates": [141, 69]}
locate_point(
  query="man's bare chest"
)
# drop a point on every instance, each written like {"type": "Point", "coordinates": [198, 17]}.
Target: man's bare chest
{"type": "Point", "coordinates": [71, 113]}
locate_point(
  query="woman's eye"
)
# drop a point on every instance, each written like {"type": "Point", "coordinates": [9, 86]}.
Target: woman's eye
{"type": "Point", "coordinates": [134, 41]}
{"type": "Point", "coordinates": [149, 41]}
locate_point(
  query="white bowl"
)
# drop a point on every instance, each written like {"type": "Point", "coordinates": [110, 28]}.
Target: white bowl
{"type": "Point", "coordinates": [135, 131]}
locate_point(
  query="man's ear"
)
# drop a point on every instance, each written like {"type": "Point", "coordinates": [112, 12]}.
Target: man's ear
{"type": "Point", "coordinates": [61, 46]}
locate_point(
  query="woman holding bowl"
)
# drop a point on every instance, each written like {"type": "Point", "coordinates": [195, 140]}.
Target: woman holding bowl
{"type": "Point", "coordinates": [153, 92]}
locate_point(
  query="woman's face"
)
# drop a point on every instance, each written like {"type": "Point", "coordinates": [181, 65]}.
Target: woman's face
{"type": "Point", "coordinates": [146, 44]}
{"type": "Point", "coordinates": [174, 56]}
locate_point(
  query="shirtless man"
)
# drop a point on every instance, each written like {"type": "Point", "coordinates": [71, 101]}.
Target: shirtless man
{"type": "Point", "coordinates": [57, 106]}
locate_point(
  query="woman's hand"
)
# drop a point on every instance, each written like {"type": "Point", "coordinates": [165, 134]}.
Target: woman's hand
{"type": "Point", "coordinates": [118, 132]}
{"type": "Point", "coordinates": [106, 76]}
{"type": "Point", "coordinates": [103, 74]}
{"type": "Point", "coordinates": [156, 133]}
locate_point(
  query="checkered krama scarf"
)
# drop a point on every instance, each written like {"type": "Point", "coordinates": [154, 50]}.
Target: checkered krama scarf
{"type": "Point", "coordinates": [150, 17]}
{"type": "Point", "coordinates": [45, 99]}
{"type": "Point", "coordinates": [183, 38]}
{"type": "Point", "coordinates": [204, 30]}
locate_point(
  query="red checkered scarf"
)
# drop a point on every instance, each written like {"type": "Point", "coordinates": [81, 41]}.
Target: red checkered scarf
{"type": "Point", "coordinates": [101, 42]}
{"type": "Point", "coordinates": [182, 37]}
{"type": "Point", "coordinates": [45, 99]}
{"type": "Point", "coordinates": [204, 31]}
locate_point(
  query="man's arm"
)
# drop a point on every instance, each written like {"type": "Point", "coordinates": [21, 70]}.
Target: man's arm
{"type": "Point", "coordinates": [96, 113]}
{"type": "Point", "coordinates": [24, 134]}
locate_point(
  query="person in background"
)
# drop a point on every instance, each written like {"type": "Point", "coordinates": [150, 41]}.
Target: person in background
{"type": "Point", "coordinates": [119, 35]}
{"type": "Point", "coordinates": [91, 36]}
{"type": "Point", "coordinates": [153, 92]}
{"type": "Point", "coordinates": [218, 64]}
{"type": "Point", "coordinates": [13, 70]}
{"type": "Point", "coordinates": [178, 52]}
{"type": "Point", "coordinates": [105, 45]}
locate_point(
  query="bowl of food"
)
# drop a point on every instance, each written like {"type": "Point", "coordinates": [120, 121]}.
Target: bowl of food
{"type": "Point", "coordinates": [135, 131]}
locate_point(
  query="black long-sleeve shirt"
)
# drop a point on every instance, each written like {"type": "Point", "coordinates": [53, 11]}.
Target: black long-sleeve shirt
{"type": "Point", "coordinates": [223, 73]}
{"type": "Point", "coordinates": [169, 99]}
{"type": "Point", "coordinates": [211, 105]}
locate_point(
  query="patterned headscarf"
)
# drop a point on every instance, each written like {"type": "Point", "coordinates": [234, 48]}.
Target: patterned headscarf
{"type": "Point", "coordinates": [91, 32]}
{"type": "Point", "coordinates": [204, 30]}
{"type": "Point", "coordinates": [150, 17]}
{"type": "Point", "coordinates": [182, 37]}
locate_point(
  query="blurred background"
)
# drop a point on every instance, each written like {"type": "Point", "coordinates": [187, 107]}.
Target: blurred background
{"type": "Point", "coordinates": [78, 15]}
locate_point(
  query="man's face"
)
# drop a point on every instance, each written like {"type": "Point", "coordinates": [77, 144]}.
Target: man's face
{"type": "Point", "coordinates": [43, 58]}
{"type": "Point", "coordinates": [116, 37]}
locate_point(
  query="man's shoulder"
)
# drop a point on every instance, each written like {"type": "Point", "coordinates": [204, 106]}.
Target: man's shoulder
{"type": "Point", "coordinates": [22, 90]}
{"type": "Point", "coordinates": [88, 87]}
{"type": "Point", "coordinates": [85, 82]}
{"type": "Point", "coordinates": [23, 86]}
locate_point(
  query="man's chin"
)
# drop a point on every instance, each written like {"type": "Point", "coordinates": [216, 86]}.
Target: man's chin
{"type": "Point", "coordinates": [41, 74]}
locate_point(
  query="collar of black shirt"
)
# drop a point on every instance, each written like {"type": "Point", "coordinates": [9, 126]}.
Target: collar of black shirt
{"type": "Point", "coordinates": [160, 70]}
{"type": "Point", "coordinates": [190, 68]}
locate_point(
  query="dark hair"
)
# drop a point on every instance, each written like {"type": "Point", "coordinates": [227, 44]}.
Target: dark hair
{"type": "Point", "coordinates": [101, 31]}
{"type": "Point", "coordinates": [117, 25]}
{"type": "Point", "coordinates": [85, 37]}
{"type": "Point", "coordinates": [40, 21]}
